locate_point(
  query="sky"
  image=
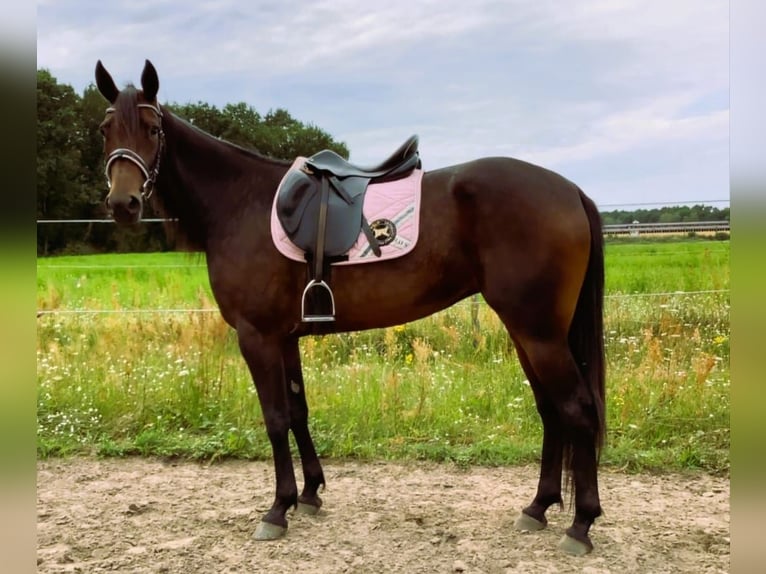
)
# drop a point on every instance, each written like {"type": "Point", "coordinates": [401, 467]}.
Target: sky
{"type": "Point", "coordinates": [627, 98]}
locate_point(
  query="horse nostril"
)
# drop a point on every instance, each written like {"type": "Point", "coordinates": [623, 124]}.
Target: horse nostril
{"type": "Point", "coordinates": [124, 205]}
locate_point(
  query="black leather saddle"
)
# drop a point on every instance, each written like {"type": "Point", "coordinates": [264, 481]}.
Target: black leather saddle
{"type": "Point", "coordinates": [320, 208]}
{"type": "Point", "coordinates": [299, 200]}
{"type": "Point", "coordinates": [400, 160]}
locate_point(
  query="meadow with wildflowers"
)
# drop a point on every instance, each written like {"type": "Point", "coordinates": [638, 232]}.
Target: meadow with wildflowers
{"type": "Point", "coordinates": [133, 358]}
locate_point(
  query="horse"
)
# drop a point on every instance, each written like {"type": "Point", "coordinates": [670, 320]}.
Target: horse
{"type": "Point", "coordinates": [524, 237]}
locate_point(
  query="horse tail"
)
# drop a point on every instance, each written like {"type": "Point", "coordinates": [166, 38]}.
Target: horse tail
{"type": "Point", "coordinates": [586, 334]}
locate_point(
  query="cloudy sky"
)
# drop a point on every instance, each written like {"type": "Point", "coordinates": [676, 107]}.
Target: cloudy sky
{"type": "Point", "coordinates": [628, 98]}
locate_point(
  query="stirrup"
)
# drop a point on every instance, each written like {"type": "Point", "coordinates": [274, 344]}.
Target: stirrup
{"type": "Point", "coordinates": [314, 284]}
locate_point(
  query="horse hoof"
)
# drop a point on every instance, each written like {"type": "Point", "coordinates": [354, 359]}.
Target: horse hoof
{"type": "Point", "coordinates": [308, 509]}
{"type": "Point", "coordinates": [574, 547]}
{"type": "Point", "coordinates": [269, 531]}
{"type": "Point", "coordinates": [526, 523]}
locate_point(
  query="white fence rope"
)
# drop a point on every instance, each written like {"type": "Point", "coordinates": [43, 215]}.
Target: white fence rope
{"type": "Point", "coordinates": [43, 312]}
{"type": "Point", "coordinates": [611, 229]}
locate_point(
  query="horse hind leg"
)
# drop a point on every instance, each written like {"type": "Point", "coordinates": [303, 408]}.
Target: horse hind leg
{"type": "Point", "coordinates": [562, 384]}
{"type": "Point", "coordinates": [551, 461]}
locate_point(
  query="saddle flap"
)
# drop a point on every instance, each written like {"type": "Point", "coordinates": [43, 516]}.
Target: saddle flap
{"type": "Point", "coordinates": [297, 208]}
{"type": "Point", "coordinates": [295, 194]}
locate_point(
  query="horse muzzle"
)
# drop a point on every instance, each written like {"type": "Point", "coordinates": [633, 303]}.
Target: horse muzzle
{"type": "Point", "coordinates": [125, 207]}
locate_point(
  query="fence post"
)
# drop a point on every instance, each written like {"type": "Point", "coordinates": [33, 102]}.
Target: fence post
{"type": "Point", "coordinates": [475, 326]}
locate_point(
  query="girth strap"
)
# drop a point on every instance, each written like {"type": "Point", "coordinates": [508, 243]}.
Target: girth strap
{"type": "Point", "coordinates": [321, 231]}
{"type": "Point", "coordinates": [371, 239]}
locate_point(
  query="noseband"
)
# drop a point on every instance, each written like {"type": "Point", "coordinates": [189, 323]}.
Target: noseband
{"type": "Point", "coordinates": [150, 175]}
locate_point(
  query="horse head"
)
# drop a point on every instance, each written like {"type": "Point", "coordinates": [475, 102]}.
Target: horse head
{"type": "Point", "coordinates": [133, 142]}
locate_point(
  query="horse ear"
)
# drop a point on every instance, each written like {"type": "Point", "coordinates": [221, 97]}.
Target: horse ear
{"type": "Point", "coordinates": [150, 82]}
{"type": "Point", "coordinates": [105, 83]}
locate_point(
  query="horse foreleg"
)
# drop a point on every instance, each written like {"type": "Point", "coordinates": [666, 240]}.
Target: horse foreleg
{"type": "Point", "coordinates": [309, 501]}
{"type": "Point", "coordinates": [264, 359]}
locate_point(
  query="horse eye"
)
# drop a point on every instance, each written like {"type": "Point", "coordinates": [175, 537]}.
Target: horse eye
{"type": "Point", "coordinates": [154, 130]}
{"type": "Point", "coordinates": [102, 129]}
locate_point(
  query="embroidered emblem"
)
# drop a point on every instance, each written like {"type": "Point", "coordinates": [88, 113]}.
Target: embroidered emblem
{"type": "Point", "coordinates": [384, 231]}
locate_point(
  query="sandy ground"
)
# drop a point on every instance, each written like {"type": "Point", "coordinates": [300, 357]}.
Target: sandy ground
{"type": "Point", "coordinates": [141, 516]}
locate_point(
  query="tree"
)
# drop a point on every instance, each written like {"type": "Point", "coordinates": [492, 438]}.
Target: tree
{"type": "Point", "coordinates": [203, 116]}
{"type": "Point", "coordinates": [92, 110]}
{"type": "Point", "coordinates": [61, 189]}
{"type": "Point", "coordinates": [277, 134]}
{"type": "Point", "coordinates": [670, 214]}
{"type": "Point", "coordinates": [285, 137]}
{"type": "Point", "coordinates": [242, 123]}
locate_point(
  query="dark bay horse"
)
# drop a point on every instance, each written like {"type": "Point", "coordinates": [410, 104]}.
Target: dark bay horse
{"type": "Point", "coordinates": [524, 237]}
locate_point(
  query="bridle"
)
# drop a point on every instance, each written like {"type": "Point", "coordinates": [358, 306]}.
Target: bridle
{"type": "Point", "coordinates": [124, 153]}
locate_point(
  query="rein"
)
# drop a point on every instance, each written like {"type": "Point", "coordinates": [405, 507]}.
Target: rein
{"type": "Point", "coordinates": [150, 175]}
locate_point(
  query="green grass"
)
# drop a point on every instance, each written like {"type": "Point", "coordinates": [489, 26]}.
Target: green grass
{"type": "Point", "coordinates": [129, 281]}
{"type": "Point", "coordinates": [652, 267]}
{"type": "Point", "coordinates": [174, 384]}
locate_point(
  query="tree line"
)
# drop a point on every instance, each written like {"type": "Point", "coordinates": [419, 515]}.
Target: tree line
{"type": "Point", "coordinates": [70, 161]}
{"type": "Point", "coordinates": [70, 166]}
{"type": "Point", "coordinates": [667, 214]}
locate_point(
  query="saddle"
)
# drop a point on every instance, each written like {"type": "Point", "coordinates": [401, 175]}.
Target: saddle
{"type": "Point", "coordinates": [320, 208]}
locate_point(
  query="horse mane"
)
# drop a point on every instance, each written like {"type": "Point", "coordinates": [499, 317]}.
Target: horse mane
{"type": "Point", "coordinates": [187, 214]}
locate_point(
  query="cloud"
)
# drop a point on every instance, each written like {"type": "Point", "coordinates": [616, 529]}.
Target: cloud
{"type": "Point", "coordinates": [636, 130]}
{"type": "Point", "coordinates": [591, 87]}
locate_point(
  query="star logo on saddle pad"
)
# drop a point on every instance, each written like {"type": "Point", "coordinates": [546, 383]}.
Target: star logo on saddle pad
{"type": "Point", "coordinates": [384, 231]}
